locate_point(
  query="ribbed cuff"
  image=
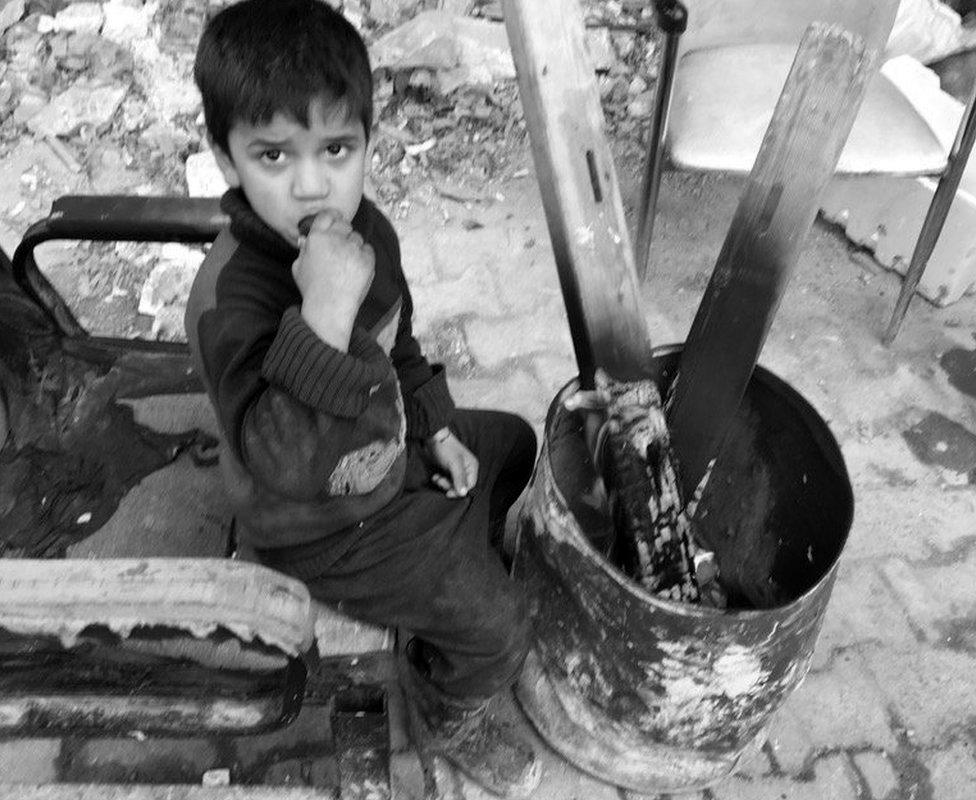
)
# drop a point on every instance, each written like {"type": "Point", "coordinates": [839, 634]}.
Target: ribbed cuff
{"type": "Point", "coordinates": [319, 375]}
{"type": "Point", "coordinates": [430, 406]}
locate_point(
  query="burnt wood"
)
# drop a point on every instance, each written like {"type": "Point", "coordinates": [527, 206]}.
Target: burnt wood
{"type": "Point", "coordinates": [580, 193]}
{"type": "Point", "coordinates": [798, 155]}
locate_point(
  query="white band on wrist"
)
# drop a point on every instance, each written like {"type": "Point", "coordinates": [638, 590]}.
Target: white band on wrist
{"type": "Point", "coordinates": [441, 436]}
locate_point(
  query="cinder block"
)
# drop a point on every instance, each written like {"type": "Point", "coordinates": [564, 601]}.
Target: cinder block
{"type": "Point", "coordinates": [885, 214]}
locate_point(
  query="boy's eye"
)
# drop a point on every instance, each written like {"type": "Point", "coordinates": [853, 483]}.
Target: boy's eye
{"type": "Point", "coordinates": [272, 156]}
{"type": "Point", "coordinates": [336, 149]}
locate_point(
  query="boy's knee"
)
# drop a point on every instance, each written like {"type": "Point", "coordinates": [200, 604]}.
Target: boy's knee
{"type": "Point", "coordinates": [507, 637]}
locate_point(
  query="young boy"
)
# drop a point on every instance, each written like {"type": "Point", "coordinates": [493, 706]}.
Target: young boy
{"type": "Point", "coordinates": [348, 466]}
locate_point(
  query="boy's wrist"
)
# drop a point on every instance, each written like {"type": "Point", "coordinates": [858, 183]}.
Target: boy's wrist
{"type": "Point", "coordinates": [440, 436]}
{"type": "Point", "coordinates": [331, 329]}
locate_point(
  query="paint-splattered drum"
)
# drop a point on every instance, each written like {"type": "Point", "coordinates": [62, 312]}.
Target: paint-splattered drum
{"type": "Point", "coordinates": [657, 695]}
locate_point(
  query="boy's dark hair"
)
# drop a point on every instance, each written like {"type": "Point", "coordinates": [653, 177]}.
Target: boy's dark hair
{"type": "Point", "coordinates": [260, 57]}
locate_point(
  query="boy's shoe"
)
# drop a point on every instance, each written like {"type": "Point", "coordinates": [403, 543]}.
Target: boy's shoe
{"type": "Point", "coordinates": [491, 753]}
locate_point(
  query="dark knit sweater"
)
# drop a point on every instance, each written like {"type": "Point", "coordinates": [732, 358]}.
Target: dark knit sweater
{"type": "Point", "coordinates": [316, 435]}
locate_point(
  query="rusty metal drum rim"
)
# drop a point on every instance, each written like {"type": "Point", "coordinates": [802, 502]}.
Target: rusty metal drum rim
{"type": "Point", "coordinates": [804, 410]}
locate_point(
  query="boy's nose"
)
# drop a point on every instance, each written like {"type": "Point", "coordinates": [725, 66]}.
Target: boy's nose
{"type": "Point", "coordinates": [310, 181]}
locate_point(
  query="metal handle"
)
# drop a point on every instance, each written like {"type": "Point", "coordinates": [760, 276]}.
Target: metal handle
{"type": "Point", "coordinates": [106, 218]}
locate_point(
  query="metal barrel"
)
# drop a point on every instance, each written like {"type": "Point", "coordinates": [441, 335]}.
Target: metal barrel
{"type": "Point", "coordinates": [655, 695]}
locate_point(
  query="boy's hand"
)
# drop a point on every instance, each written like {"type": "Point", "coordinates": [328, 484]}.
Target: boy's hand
{"type": "Point", "coordinates": [456, 460]}
{"type": "Point", "coordinates": [333, 271]}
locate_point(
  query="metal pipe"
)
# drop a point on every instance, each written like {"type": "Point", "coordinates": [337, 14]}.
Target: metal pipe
{"type": "Point", "coordinates": [935, 218]}
{"type": "Point", "coordinates": [672, 19]}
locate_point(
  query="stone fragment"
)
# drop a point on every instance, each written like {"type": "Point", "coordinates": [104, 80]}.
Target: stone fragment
{"type": "Point", "coordinates": [59, 45]}
{"type": "Point", "coordinates": [458, 7]}
{"type": "Point", "coordinates": [109, 173]}
{"type": "Point", "coordinates": [425, 41]}
{"type": "Point", "coordinates": [203, 176]}
{"type": "Point", "coordinates": [79, 18]}
{"type": "Point", "coordinates": [108, 60]}
{"type": "Point", "coordinates": [441, 41]}
{"type": "Point", "coordinates": [641, 105]}
{"type": "Point", "coordinates": [353, 11]}
{"type": "Point", "coordinates": [31, 103]}
{"type": "Point", "coordinates": [23, 45]}
{"type": "Point", "coordinates": [125, 22]}
{"type": "Point", "coordinates": [81, 104]}
{"type": "Point", "coordinates": [623, 43]}
{"type": "Point", "coordinates": [636, 86]}
{"type": "Point", "coordinates": [165, 139]}
{"type": "Point", "coordinates": [167, 288]}
{"type": "Point", "coordinates": [8, 97]}
{"type": "Point", "coordinates": [390, 12]}
{"type": "Point", "coordinates": [167, 81]}
{"type": "Point", "coordinates": [10, 12]}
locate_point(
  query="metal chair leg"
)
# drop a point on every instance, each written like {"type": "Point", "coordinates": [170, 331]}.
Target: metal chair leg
{"type": "Point", "coordinates": [672, 20]}
{"type": "Point", "coordinates": [935, 218]}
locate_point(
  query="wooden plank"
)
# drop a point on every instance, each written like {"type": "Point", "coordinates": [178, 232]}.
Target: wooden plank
{"type": "Point", "coordinates": [799, 153]}
{"type": "Point", "coordinates": [593, 253]}
{"type": "Point", "coordinates": [580, 193]}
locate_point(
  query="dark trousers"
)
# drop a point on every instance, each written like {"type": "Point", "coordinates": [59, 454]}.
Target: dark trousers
{"type": "Point", "coordinates": [425, 563]}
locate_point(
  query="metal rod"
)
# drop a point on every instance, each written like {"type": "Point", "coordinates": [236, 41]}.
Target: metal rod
{"type": "Point", "coordinates": [672, 19]}
{"type": "Point", "coordinates": [936, 216]}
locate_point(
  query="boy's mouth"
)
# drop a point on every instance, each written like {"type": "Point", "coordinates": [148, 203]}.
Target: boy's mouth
{"type": "Point", "coordinates": [305, 224]}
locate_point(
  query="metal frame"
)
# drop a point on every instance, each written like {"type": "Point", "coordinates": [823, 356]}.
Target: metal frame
{"type": "Point", "coordinates": [108, 218]}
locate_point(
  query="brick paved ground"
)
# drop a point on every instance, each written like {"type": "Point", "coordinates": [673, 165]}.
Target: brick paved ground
{"type": "Point", "coordinates": [888, 710]}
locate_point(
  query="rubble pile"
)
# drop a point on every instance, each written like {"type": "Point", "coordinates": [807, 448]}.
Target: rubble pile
{"type": "Point", "coordinates": [98, 97]}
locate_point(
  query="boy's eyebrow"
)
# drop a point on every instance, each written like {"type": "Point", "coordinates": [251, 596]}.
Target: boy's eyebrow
{"type": "Point", "coordinates": [343, 135]}
{"type": "Point", "coordinates": [262, 142]}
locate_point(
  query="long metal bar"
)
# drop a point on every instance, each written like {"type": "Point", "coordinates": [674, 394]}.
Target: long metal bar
{"type": "Point", "coordinates": [672, 19]}
{"type": "Point", "coordinates": [936, 216]}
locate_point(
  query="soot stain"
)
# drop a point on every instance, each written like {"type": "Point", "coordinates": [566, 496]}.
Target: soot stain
{"type": "Point", "coordinates": [960, 366]}
{"type": "Point", "coordinates": [936, 439]}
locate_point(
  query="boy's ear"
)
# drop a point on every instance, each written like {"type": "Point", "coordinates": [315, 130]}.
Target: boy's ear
{"type": "Point", "coordinates": [226, 165]}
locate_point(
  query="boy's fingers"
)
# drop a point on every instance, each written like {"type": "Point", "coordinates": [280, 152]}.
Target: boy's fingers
{"type": "Point", "coordinates": [471, 469]}
{"type": "Point", "coordinates": [327, 220]}
{"type": "Point", "coordinates": [459, 475]}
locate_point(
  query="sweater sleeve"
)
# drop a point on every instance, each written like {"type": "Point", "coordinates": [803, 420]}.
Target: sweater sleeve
{"type": "Point", "coordinates": [427, 400]}
{"type": "Point", "coordinates": [293, 408]}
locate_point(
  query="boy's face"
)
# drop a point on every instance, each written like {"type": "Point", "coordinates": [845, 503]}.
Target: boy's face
{"type": "Point", "coordinates": [288, 171]}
